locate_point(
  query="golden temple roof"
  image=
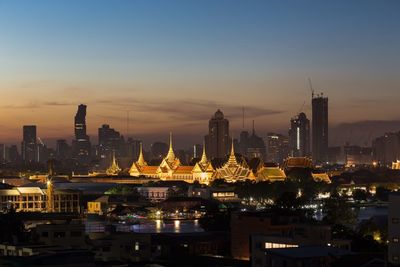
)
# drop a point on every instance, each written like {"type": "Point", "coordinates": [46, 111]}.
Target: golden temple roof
{"type": "Point", "coordinates": [141, 161]}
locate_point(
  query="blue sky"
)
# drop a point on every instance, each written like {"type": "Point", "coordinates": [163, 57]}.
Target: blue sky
{"type": "Point", "coordinates": [141, 55]}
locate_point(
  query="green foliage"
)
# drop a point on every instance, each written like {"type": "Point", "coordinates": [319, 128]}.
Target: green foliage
{"type": "Point", "coordinates": [338, 211]}
{"type": "Point", "coordinates": [359, 242]}
{"type": "Point", "coordinates": [360, 195]}
{"type": "Point", "coordinates": [382, 194]}
{"type": "Point", "coordinates": [12, 228]}
{"type": "Point", "coordinates": [122, 190]}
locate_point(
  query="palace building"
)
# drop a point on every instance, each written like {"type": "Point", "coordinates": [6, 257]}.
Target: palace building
{"type": "Point", "coordinates": [233, 171]}
{"type": "Point", "coordinates": [171, 169]}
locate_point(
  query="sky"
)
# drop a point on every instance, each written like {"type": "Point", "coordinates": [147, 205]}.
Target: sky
{"type": "Point", "coordinates": [171, 64]}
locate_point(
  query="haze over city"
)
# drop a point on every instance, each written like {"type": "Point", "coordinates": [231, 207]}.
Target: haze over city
{"type": "Point", "coordinates": [172, 64]}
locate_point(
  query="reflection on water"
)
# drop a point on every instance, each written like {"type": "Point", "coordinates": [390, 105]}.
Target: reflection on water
{"type": "Point", "coordinates": [365, 213]}
{"type": "Point", "coordinates": [156, 226]}
{"type": "Point", "coordinates": [177, 226]}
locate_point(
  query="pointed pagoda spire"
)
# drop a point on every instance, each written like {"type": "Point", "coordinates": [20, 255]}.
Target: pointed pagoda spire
{"type": "Point", "coordinates": [232, 157]}
{"type": "Point", "coordinates": [141, 161]}
{"type": "Point", "coordinates": [171, 155]}
{"type": "Point", "coordinates": [114, 161]}
{"type": "Point", "coordinates": [114, 169]}
{"type": "Point", "coordinates": [204, 159]}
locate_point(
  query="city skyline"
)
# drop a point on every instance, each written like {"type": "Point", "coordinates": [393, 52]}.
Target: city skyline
{"type": "Point", "coordinates": [172, 65]}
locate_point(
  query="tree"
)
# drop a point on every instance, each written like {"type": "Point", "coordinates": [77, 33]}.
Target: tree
{"type": "Point", "coordinates": [338, 211]}
{"type": "Point", "coordinates": [382, 194]}
{"type": "Point", "coordinates": [360, 195]}
{"type": "Point", "coordinates": [12, 228]}
{"type": "Point", "coordinates": [122, 190]}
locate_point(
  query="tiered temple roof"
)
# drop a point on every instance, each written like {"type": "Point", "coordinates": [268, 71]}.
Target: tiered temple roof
{"type": "Point", "coordinates": [114, 169]}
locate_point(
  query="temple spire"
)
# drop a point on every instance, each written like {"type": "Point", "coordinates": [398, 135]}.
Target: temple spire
{"type": "Point", "coordinates": [204, 159]}
{"type": "Point", "coordinates": [232, 158]}
{"type": "Point", "coordinates": [171, 155]}
{"type": "Point", "coordinates": [141, 161]}
{"type": "Point", "coordinates": [114, 169]}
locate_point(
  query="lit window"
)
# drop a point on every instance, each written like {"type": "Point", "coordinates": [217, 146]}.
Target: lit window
{"type": "Point", "coordinates": [395, 240]}
{"type": "Point", "coordinates": [137, 246]}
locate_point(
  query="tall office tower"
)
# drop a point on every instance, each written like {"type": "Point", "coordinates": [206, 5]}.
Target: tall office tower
{"type": "Point", "coordinates": [110, 141]}
{"type": "Point", "coordinates": [63, 150]}
{"type": "Point", "coordinates": [29, 147]}
{"type": "Point", "coordinates": [133, 148]}
{"type": "Point", "coordinates": [2, 153]}
{"type": "Point", "coordinates": [252, 146]}
{"type": "Point", "coordinates": [386, 148]}
{"type": "Point", "coordinates": [319, 129]}
{"type": "Point", "coordinates": [197, 151]}
{"type": "Point", "coordinates": [81, 144]}
{"type": "Point", "coordinates": [277, 147]}
{"type": "Point", "coordinates": [217, 141]}
{"type": "Point", "coordinates": [299, 136]}
{"type": "Point", "coordinates": [12, 154]}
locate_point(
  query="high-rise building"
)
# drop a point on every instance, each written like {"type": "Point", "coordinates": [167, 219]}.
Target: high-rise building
{"type": "Point", "coordinates": [159, 150]}
{"type": "Point", "coordinates": [2, 153]}
{"type": "Point", "coordinates": [81, 144]}
{"type": "Point", "coordinates": [12, 154]}
{"type": "Point", "coordinates": [252, 146]}
{"type": "Point", "coordinates": [277, 147]}
{"type": "Point", "coordinates": [320, 129]}
{"type": "Point", "coordinates": [299, 136]}
{"type": "Point", "coordinates": [386, 148]}
{"type": "Point", "coordinates": [217, 140]}
{"type": "Point", "coordinates": [109, 141]}
{"type": "Point", "coordinates": [29, 147]}
{"type": "Point", "coordinates": [63, 150]}
{"type": "Point", "coordinates": [133, 148]}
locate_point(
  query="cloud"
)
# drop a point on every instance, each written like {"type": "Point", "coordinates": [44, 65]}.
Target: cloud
{"type": "Point", "coordinates": [362, 132]}
{"type": "Point", "coordinates": [186, 110]}
{"type": "Point", "coordinates": [36, 105]}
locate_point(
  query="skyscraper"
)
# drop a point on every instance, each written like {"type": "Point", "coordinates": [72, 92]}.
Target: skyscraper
{"type": "Point", "coordinates": [29, 147]}
{"type": "Point", "coordinates": [252, 146]}
{"type": "Point", "coordinates": [110, 141]}
{"type": "Point", "coordinates": [299, 136]}
{"type": "Point", "coordinates": [81, 144]}
{"type": "Point", "coordinates": [320, 129]}
{"type": "Point", "coordinates": [277, 147]}
{"type": "Point", "coordinates": [217, 140]}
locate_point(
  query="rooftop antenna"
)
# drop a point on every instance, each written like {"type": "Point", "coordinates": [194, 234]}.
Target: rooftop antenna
{"type": "Point", "coordinates": [253, 128]}
{"type": "Point", "coordinates": [302, 106]}
{"type": "Point", "coordinates": [243, 117]}
{"type": "Point", "coordinates": [311, 87]}
{"type": "Point", "coordinates": [127, 124]}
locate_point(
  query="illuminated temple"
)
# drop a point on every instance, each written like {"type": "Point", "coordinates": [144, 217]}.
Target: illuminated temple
{"type": "Point", "coordinates": [171, 169]}
{"type": "Point", "coordinates": [233, 171]}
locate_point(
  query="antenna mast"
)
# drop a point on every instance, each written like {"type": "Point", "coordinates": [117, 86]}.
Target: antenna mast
{"type": "Point", "coordinates": [311, 87]}
{"type": "Point", "coordinates": [243, 117]}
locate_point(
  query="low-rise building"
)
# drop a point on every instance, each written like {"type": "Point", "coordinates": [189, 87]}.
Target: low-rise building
{"type": "Point", "coordinates": [299, 236]}
{"type": "Point", "coordinates": [246, 224]}
{"type": "Point", "coordinates": [154, 193]}
{"type": "Point", "coordinates": [394, 229]}
{"type": "Point", "coordinates": [313, 256]}
{"type": "Point", "coordinates": [34, 199]}
{"type": "Point", "coordinates": [70, 235]}
{"type": "Point", "coordinates": [122, 247]}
